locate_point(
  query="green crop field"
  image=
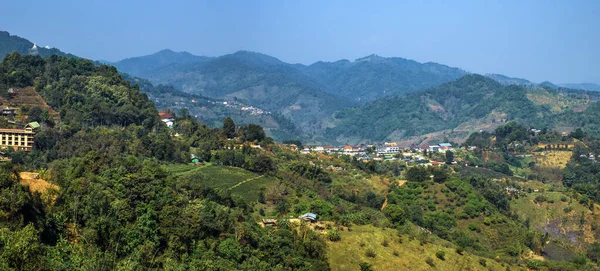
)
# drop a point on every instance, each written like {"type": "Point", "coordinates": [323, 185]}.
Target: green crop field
{"type": "Point", "coordinates": [240, 181]}
{"type": "Point", "coordinates": [251, 188]}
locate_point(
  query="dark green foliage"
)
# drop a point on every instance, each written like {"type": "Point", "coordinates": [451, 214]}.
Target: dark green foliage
{"type": "Point", "coordinates": [395, 213]}
{"type": "Point", "coordinates": [449, 157]}
{"type": "Point", "coordinates": [578, 134]}
{"type": "Point", "coordinates": [365, 266]}
{"type": "Point", "coordinates": [440, 223]}
{"type": "Point", "coordinates": [441, 255]}
{"type": "Point", "coordinates": [582, 173]}
{"type": "Point", "coordinates": [417, 174]}
{"type": "Point", "coordinates": [334, 235]}
{"type": "Point", "coordinates": [540, 199]}
{"type": "Point", "coordinates": [430, 262]}
{"type": "Point", "coordinates": [253, 132]}
{"type": "Point", "coordinates": [593, 252]}
{"type": "Point", "coordinates": [311, 172]}
{"type": "Point", "coordinates": [370, 253]}
{"type": "Point", "coordinates": [229, 128]}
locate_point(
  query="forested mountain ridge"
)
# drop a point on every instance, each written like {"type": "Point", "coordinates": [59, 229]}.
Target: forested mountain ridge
{"type": "Point", "coordinates": [12, 43]}
{"type": "Point", "coordinates": [505, 80]}
{"type": "Point", "coordinates": [257, 80]}
{"type": "Point", "coordinates": [139, 66]}
{"type": "Point", "coordinates": [584, 86]}
{"type": "Point", "coordinates": [373, 76]}
{"type": "Point", "coordinates": [473, 102]}
{"type": "Point", "coordinates": [362, 80]}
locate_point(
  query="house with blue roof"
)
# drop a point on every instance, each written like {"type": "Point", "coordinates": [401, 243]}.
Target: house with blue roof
{"type": "Point", "coordinates": [445, 147]}
{"type": "Point", "coordinates": [309, 217]}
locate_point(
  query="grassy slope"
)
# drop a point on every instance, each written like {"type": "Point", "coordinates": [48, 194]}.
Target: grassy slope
{"type": "Point", "coordinates": [553, 218]}
{"type": "Point", "coordinates": [348, 253]}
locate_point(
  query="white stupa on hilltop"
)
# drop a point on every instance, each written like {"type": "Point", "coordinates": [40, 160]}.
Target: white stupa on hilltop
{"type": "Point", "coordinates": [34, 50]}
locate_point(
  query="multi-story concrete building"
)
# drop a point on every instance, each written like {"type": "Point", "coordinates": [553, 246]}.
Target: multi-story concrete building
{"type": "Point", "coordinates": [19, 139]}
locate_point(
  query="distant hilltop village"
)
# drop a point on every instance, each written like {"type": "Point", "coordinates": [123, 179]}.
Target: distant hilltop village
{"type": "Point", "coordinates": [421, 155]}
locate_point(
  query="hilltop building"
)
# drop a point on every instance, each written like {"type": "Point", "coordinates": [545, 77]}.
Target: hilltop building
{"type": "Point", "coordinates": [19, 139]}
{"type": "Point", "coordinates": [167, 118]}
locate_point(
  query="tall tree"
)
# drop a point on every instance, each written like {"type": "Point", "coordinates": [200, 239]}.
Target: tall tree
{"type": "Point", "coordinates": [229, 127]}
{"type": "Point", "coordinates": [449, 157]}
{"type": "Point", "coordinates": [254, 132]}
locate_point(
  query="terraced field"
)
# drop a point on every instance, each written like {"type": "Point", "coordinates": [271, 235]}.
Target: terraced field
{"type": "Point", "coordinates": [240, 181]}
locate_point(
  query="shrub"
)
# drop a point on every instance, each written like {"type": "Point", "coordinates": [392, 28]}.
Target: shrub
{"type": "Point", "coordinates": [483, 262]}
{"type": "Point", "coordinates": [563, 198]}
{"type": "Point", "coordinates": [441, 255]}
{"type": "Point", "coordinates": [533, 265]}
{"type": "Point", "coordinates": [487, 221]}
{"type": "Point", "coordinates": [370, 253]}
{"type": "Point", "coordinates": [460, 250]}
{"type": "Point", "coordinates": [365, 266]}
{"type": "Point", "coordinates": [430, 262]}
{"type": "Point", "coordinates": [513, 251]}
{"type": "Point", "coordinates": [334, 235]}
{"type": "Point", "coordinates": [540, 198]}
{"type": "Point", "coordinates": [396, 253]}
{"type": "Point", "coordinates": [474, 227]}
{"type": "Point", "coordinates": [385, 243]}
{"type": "Point", "coordinates": [568, 209]}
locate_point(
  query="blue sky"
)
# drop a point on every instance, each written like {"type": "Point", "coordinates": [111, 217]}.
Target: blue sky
{"type": "Point", "coordinates": [539, 40]}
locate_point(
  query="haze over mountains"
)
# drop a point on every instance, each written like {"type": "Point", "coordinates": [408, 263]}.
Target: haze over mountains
{"type": "Point", "coordinates": [371, 99]}
{"type": "Point", "coordinates": [362, 80]}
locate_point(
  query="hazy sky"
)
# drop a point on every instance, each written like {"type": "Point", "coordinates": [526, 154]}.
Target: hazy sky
{"type": "Point", "coordinates": [540, 40]}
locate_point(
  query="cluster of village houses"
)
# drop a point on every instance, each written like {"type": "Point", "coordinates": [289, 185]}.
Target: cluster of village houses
{"type": "Point", "coordinates": [386, 151]}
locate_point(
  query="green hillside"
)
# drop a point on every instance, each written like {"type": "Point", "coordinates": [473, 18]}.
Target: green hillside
{"type": "Point", "coordinates": [255, 80]}
{"type": "Point", "coordinates": [212, 111]}
{"type": "Point", "coordinates": [473, 102]}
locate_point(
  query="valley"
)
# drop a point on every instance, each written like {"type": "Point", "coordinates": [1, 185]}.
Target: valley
{"type": "Point", "coordinates": [244, 162]}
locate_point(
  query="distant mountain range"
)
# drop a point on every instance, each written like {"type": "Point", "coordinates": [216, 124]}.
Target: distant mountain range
{"type": "Point", "coordinates": [369, 99]}
{"type": "Point", "coordinates": [505, 80]}
{"type": "Point", "coordinates": [362, 80]}
{"type": "Point", "coordinates": [584, 86]}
